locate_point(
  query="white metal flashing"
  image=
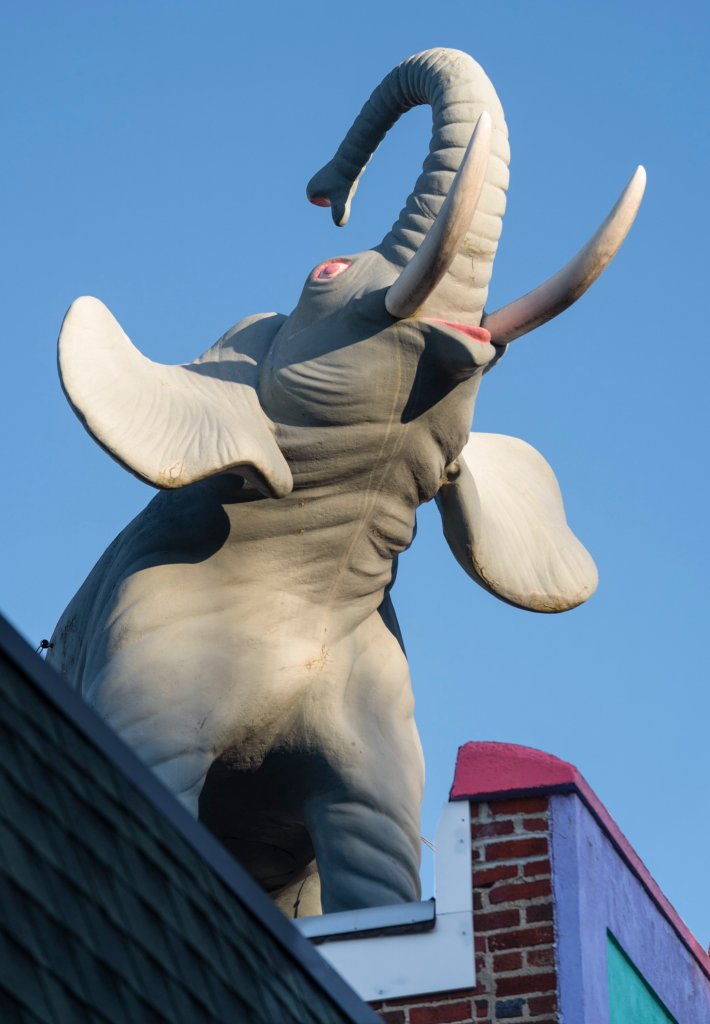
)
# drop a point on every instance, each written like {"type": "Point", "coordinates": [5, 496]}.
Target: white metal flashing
{"type": "Point", "coordinates": [396, 957]}
{"type": "Point", "coordinates": [358, 924]}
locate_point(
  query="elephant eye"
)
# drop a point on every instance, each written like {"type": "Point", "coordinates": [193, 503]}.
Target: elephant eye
{"type": "Point", "coordinates": [330, 269]}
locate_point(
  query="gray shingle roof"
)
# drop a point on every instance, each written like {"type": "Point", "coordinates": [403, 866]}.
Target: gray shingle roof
{"type": "Point", "coordinates": [115, 906]}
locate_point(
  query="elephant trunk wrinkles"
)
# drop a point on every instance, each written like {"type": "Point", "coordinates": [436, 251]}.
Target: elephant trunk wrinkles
{"type": "Point", "coordinates": [458, 91]}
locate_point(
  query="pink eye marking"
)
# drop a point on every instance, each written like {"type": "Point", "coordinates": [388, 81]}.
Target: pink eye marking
{"type": "Point", "coordinates": [330, 269]}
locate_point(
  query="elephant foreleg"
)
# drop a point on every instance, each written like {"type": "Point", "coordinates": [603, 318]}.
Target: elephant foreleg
{"type": "Point", "coordinates": [366, 857]}
{"type": "Point", "coordinates": [364, 822]}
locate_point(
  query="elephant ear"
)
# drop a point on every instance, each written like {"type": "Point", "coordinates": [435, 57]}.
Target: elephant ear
{"type": "Point", "coordinates": [504, 521]}
{"type": "Point", "coordinates": [173, 425]}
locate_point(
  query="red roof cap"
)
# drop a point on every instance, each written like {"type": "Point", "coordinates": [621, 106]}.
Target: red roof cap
{"type": "Point", "coordinates": [489, 769]}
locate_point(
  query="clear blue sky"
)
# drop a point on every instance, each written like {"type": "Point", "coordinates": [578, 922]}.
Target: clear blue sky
{"type": "Point", "coordinates": [156, 155]}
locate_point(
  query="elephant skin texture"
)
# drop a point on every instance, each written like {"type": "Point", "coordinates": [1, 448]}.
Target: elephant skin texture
{"type": "Point", "coordinates": [239, 634]}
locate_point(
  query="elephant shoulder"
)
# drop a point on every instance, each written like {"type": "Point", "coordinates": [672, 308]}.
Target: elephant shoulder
{"type": "Point", "coordinates": [239, 353]}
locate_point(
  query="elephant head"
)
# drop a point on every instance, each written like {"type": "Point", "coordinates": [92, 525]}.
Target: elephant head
{"type": "Point", "coordinates": [274, 387]}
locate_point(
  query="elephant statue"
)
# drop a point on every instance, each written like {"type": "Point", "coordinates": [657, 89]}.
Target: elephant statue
{"type": "Point", "coordinates": [239, 634]}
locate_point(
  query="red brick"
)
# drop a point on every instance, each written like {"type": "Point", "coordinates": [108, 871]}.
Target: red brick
{"type": "Point", "coordinates": [496, 920]}
{"type": "Point", "coordinates": [481, 1007]}
{"type": "Point", "coordinates": [480, 962]}
{"type": "Point", "coordinates": [520, 891]}
{"type": "Point", "coordinates": [520, 985]}
{"type": "Point", "coordinates": [521, 938]}
{"type": "Point", "coordinates": [492, 828]}
{"type": "Point", "coordinates": [524, 805]}
{"type": "Point", "coordinates": [536, 824]}
{"type": "Point", "coordinates": [541, 957]}
{"type": "Point", "coordinates": [499, 873]}
{"type": "Point", "coordinates": [392, 1016]}
{"type": "Point", "coordinates": [475, 808]}
{"type": "Point", "coordinates": [477, 900]}
{"type": "Point", "coordinates": [517, 848]}
{"type": "Point", "coordinates": [507, 961]}
{"type": "Point", "coordinates": [444, 1013]}
{"type": "Point", "coordinates": [480, 944]}
{"type": "Point", "coordinates": [540, 912]}
{"type": "Point", "coordinates": [476, 855]}
{"type": "Point", "coordinates": [542, 1004]}
{"type": "Point", "coordinates": [537, 867]}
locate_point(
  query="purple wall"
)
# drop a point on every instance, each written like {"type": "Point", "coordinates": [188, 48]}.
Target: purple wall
{"type": "Point", "coordinates": [596, 890]}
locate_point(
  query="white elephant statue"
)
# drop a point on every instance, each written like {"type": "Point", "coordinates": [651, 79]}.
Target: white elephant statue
{"type": "Point", "coordinates": [239, 633]}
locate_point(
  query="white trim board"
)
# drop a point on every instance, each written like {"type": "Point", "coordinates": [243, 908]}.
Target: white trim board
{"type": "Point", "coordinates": [440, 959]}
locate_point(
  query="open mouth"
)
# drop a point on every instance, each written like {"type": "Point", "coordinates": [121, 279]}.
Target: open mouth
{"type": "Point", "coordinates": [475, 333]}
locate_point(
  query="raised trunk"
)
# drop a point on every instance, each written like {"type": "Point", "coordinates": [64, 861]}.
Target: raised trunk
{"type": "Point", "coordinates": [458, 91]}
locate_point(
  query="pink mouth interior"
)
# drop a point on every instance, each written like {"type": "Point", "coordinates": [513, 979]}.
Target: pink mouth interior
{"type": "Point", "coordinates": [475, 333]}
{"type": "Point", "coordinates": [320, 200]}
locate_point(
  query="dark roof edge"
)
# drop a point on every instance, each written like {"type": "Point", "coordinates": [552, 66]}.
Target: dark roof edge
{"type": "Point", "coordinates": [488, 770]}
{"type": "Point", "coordinates": [73, 707]}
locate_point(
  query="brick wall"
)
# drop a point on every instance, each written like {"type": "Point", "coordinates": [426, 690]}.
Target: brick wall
{"type": "Point", "coordinates": [513, 923]}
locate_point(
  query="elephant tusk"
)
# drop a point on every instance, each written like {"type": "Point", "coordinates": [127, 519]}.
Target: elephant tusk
{"type": "Point", "coordinates": [567, 285]}
{"type": "Point", "coordinates": [446, 235]}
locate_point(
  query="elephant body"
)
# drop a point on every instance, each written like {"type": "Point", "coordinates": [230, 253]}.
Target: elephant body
{"type": "Point", "coordinates": [207, 651]}
{"type": "Point", "coordinates": [214, 586]}
{"type": "Point", "coordinates": [239, 633]}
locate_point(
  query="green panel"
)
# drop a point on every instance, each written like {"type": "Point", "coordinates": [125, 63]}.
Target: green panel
{"type": "Point", "coordinates": [631, 1000]}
